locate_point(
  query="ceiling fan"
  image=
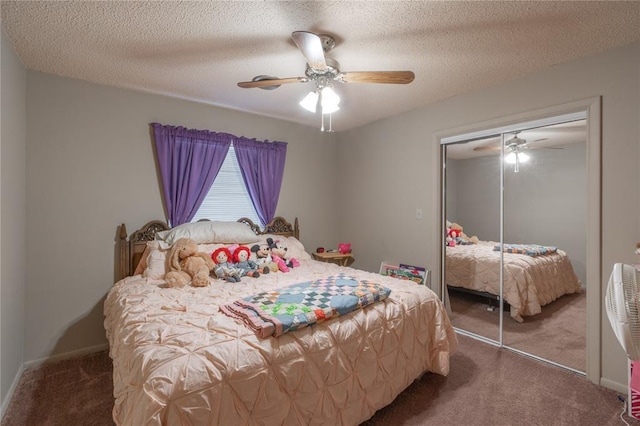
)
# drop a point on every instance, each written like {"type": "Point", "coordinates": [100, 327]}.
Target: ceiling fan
{"type": "Point", "coordinates": [514, 148]}
{"type": "Point", "coordinates": [323, 71]}
{"type": "Point", "coordinates": [515, 143]}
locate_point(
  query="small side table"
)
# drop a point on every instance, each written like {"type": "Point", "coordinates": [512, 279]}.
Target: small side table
{"type": "Point", "coordinates": [334, 257]}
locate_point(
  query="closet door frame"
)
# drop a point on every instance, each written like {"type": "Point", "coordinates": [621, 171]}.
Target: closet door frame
{"type": "Point", "coordinates": [592, 109]}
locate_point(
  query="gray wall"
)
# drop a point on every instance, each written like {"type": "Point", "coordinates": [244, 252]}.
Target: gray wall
{"type": "Point", "coordinates": [13, 260]}
{"type": "Point", "coordinates": [391, 167]}
{"type": "Point", "coordinates": [476, 201]}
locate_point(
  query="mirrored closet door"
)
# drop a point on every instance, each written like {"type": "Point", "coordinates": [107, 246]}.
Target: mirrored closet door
{"type": "Point", "coordinates": [472, 200]}
{"type": "Point", "coordinates": [514, 235]}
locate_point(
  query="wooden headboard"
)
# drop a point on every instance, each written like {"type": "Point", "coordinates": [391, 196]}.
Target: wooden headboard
{"type": "Point", "coordinates": [130, 250]}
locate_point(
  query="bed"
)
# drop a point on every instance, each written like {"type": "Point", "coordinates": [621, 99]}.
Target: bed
{"type": "Point", "coordinates": [178, 360]}
{"type": "Point", "coordinates": [530, 282]}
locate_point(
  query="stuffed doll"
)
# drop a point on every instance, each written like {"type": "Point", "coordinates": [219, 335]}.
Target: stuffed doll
{"type": "Point", "coordinates": [262, 256]}
{"type": "Point", "coordinates": [241, 260]}
{"type": "Point", "coordinates": [185, 263]}
{"type": "Point", "coordinates": [452, 234]}
{"type": "Point", "coordinates": [224, 269]}
{"type": "Point", "coordinates": [279, 254]}
{"type": "Point", "coordinates": [461, 237]}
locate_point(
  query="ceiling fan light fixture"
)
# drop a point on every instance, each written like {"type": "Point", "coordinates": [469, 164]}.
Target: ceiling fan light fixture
{"type": "Point", "coordinates": [329, 109]}
{"type": "Point", "coordinates": [329, 97]}
{"type": "Point", "coordinates": [310, 102]}
{"type": "Point", "coordinates": [516, 157]}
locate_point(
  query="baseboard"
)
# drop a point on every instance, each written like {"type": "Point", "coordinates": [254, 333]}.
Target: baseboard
{"type": "Point", "coordinates": [618, 387]}
{"type": "Point", "coordinates": [12, 389]}
{"type": "Point", "coordinates": [67, 355]}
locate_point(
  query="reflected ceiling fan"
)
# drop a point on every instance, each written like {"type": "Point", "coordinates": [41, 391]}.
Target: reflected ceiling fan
{"type": "Point", "coordinates": [323, 71]}
{"type": "Point", "coordinates": [514, 143]}
{"type": "Point", "coordinates": [514, 148]}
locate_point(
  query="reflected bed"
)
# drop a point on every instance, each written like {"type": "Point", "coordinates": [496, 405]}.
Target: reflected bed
{"type": "Point", "coordinates": [530, 282]}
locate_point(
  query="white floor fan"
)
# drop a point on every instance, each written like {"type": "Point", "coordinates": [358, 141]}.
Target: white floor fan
{"type": "Point", "coordinates": [622, 302]}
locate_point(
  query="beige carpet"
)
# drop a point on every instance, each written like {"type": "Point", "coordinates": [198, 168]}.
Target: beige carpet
{"type": "Point", "coordinates": [486, 386]}
{"type": "Point", "coordinates": [558, 333]}
{"type": "Point", "coordinates": [70, 393]}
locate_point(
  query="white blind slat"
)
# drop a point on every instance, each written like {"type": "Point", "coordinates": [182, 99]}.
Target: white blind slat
{"type": "Point", "coordinates": [228, 198]}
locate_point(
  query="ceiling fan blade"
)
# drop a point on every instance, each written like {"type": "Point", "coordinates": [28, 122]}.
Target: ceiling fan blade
{"type": "Point", "coordinates": [487, 148]}
{"type": "Point", "coordinates": [272, 82]}
{"type": "Point", "coordinates": [311, 47]}
{"type": "Point", "coordinates": [541, 147]}
{"type": "Point", "coordinates": [386, 77]}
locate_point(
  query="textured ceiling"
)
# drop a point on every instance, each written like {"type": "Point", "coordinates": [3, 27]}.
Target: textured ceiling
{"type": "Point", "coordinates": [200, 50]}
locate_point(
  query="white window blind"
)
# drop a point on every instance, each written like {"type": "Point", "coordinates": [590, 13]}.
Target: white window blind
{"type": "Point", "coordinates": [228, 198]}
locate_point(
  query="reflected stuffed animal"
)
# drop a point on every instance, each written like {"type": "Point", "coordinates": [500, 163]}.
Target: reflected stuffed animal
{"type": "Point", "coordinates": [186, 264]}
{"type": "Point", "coordinates": [461, 237]}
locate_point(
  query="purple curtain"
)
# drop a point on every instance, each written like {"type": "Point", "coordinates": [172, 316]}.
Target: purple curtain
{"type": "Point", "coordinates": [189, 161]}
{"type": "Point", "coordinates": [262, 167]}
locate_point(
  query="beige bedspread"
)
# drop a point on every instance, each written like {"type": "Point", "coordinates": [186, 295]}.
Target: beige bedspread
{"type": "Point", "coordinates": [530, 282]}
{"type": "Point", "coordinates": [178, 360]}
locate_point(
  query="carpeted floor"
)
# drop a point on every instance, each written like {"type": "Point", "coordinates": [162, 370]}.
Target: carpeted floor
{"type": "Point", "coordinates": [486, 386]}
{"type": "Point", "coordinates": [558, 333]}
{"type": "Point", "coordinates": [70, 393]}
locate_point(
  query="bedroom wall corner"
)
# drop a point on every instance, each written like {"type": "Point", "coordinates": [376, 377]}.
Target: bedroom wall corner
{"type": "Point", "coordinates": [13, 137]}
{"type": "Point", "coordinates": [91, 167]}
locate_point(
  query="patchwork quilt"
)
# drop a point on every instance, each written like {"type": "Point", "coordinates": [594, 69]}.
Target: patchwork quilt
{"type": "Point", "coordinates": [275, 312]}
{"type": "Point", "coordinates": [528, 249]}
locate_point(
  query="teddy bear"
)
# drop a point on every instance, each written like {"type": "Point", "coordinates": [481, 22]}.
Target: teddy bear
{"type": "Point", "coordinates": [185, 263]}
{"type": "Point", "coordinates": [241, 259]}
{"type": "Point", "coordinates": [223, 268]}
{"type": "Point", "coordinates": [461, 237]}
{"type": "Point", "coordinates": [262, 256]}
{"type": "Point", "coordinates": [279, 253]}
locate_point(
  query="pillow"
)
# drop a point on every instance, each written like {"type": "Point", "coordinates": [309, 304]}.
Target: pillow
{"type": "Point", "coordinates": [156, 267]}
{"type": "Point", "coordinates": [208, 232]}
{"type": "Point", "coordinates": [294, 246]}
{"type": "Point", "coordinates": [234, 232]}
{"type": "Point", "coordinates": [142, 264]}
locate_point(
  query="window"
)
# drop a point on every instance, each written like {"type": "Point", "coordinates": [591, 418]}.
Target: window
{"type": "Point", "coordinates": [228, 198]}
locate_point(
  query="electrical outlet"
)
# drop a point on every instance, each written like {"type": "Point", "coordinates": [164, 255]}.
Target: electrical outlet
{"type": "Point", "coordinates": [418, 213]}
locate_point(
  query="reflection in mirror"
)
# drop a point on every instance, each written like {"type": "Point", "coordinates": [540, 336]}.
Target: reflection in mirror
{"type": "Point", "coordinates": [545, 207]}
{"type": "Point", "coordinates": [472, 212]}
{"type": "Point", "coordinates": [528, 239]}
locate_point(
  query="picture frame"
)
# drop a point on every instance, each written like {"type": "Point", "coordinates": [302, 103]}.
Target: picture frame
{"type": "Point", "coordinates": [388, 269]}
{"type": "Point", "coordinates": [417, 274]}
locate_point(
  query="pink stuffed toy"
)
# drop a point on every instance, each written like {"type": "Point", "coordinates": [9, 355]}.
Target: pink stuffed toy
{"type": "Point", "coordinates": [278, 254]}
